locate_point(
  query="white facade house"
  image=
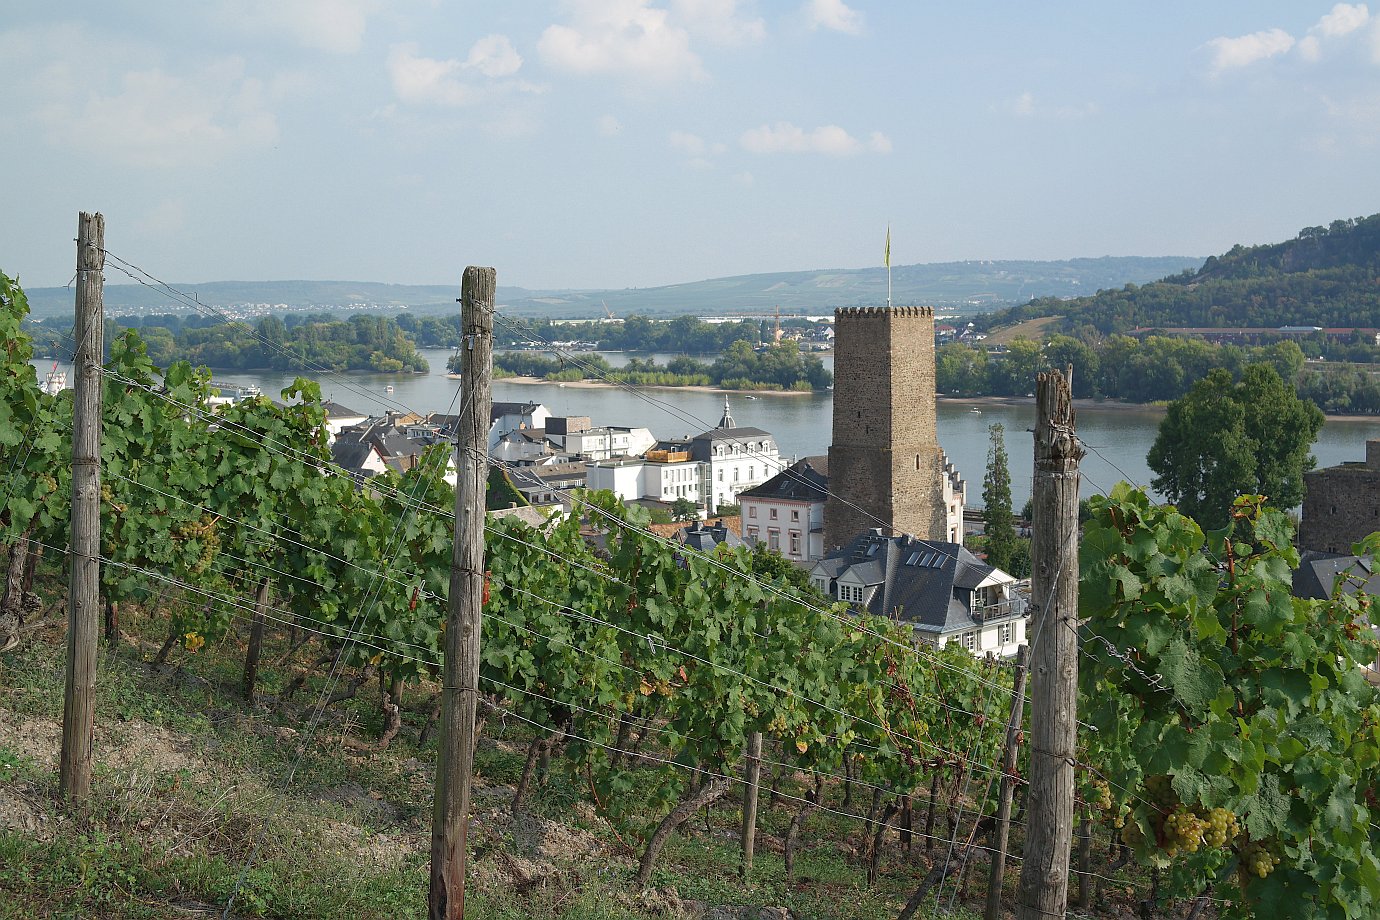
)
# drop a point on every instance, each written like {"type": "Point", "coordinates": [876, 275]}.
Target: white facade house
{"type": "Point", "coordinates": [510, 416]}
{"type": "Point", "coordinates": [609, 441]}
{"type": "Point", "coordinates": [340, 417]}
{"type": "Point", "coordinates": [955, 499]}
{"type": "Point", "coordinates": [733, 460]}
{"type": "Point", "coordinates": [654, 476]}
{"type": "Point", "coordinates": [787, 511]}
{"type": "Point", "coordinates": [941, 589]}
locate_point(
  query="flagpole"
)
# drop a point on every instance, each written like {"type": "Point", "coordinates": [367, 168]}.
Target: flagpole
{"type": "Point", "coordinates": [887, 257]}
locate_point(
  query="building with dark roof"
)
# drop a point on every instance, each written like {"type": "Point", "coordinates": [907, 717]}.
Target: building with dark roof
{"type": "Point", "coordinates": [704, 536]}
{"type": "Point", "coordinates": [941, 589]}
{"type": "Point", "coordinates": [787, 511]}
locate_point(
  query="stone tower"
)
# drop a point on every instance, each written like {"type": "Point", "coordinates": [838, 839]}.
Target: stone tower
{"type": "Point", "coordinates": [885, 466]}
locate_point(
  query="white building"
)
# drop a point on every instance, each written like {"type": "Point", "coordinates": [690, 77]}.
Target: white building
{"type": "Point", "coordinates": [733, 460]}
{"type": "Point", "coordinates": [608, 441]}
{"type": "Point", "coordinates": [942, 590]}
{"type": "Point", "coordinates": [787, 511]}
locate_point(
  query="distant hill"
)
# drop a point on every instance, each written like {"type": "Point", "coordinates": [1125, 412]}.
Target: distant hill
{"type": "Point", "coordinates": [1325, 276]}
{"type": "Point", "coordinates": [967, 287]}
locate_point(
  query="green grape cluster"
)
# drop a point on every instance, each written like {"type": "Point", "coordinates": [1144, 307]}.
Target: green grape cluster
{"type": "Point", "coordinates": [1258, 859]}
{"type": "Point", "coordinates": [1099, 795]}
{"type": "Point", "coordinates": [1221, 827]}
{"type": "Point", "coordinates": [1183, 831]}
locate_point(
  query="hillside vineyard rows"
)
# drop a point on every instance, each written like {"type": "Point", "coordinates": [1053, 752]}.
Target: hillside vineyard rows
{"type": "Point", "coordinates": [1231, 739]}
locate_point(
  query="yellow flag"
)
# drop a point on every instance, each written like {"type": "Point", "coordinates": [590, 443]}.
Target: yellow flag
{"type": "Point", "coordinates": [886, 255]}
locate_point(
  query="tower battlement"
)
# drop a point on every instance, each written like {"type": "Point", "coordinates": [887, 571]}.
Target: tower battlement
{"type": "Point", "coordinates": [884, 311]}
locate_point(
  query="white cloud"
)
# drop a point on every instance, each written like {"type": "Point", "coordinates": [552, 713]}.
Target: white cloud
{"type": "Point", "coordinates": [745, 179]}
{"type": "Point", "coordinates": [494, 56]}
{"type": "Point", "coordinates": [830, 140]}
{"type": "Point", "coordinates": [1027, 106]}
{"type": "Point", "coordinates": [610, 126]}
{"type": "Point", "coordinates": [835, 15]}
{"type": "Point", "coordinates": [720, 21]}
{"type": "Point", "coordinates": [1229, 53]}
{"type": "Point", "coordinates": [75, 85]}
{"type": "Point", "coordinates": [336, 26]}
{"type": "Point", "coordinates": [697, 150]}
{"type": "Point", "coordinates": [421, 80]}
{"type": "Point", "coordinates": [620, 37]}
{"type": "Point", "coordinates": [691, 144]}
{"type": "Point", "coordinates": [1343, 19]}
{"type": "Point", "coordinates": [1309, 48]}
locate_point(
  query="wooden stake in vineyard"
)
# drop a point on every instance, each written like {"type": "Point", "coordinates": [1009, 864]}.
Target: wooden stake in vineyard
{"type": "Point", "coordinates": [997, 871]}
{"type": "Point", "coordinates": [460, 674]}
{"type": "Point", "coordinates": [83, 595]}
{"type": "Point", "coordinates": [1053, 653]}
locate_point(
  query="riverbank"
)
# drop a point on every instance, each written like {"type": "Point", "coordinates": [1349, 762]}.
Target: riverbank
{"type": "Point", "coordinates": [1103, 405]}
{"type": "Point", "coordinates": [601, 384]}
{"type": "Point", "coordinates": [1016, 402]}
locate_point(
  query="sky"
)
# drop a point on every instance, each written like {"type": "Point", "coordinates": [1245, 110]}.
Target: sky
{"type": "Point", "coordinates": [636, 143]}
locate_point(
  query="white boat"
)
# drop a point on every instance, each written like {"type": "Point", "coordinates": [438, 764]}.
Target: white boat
{"type": "Point", "coordinates": [975, 410]}
{"type": "Point", "coordinates": [388, 389]}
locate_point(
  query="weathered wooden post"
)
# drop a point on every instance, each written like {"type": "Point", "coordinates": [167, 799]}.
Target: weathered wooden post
{"type": "Point", "coordinates": [1053, 654]}
{"type": "Point", "coordinates": [753, 769]}
{"type": "Point", "coordinates": [1008, 787]}
{"type": "Point", "coordinates": [83, 599]}
{"type": "Point", "coordinates": [460, 676]}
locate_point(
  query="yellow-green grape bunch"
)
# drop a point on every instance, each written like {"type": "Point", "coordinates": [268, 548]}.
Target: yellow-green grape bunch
{"type": "Point", "coordinates": [1257, 859]}
{"type": "Point", "coordinates": [1183, 830]}
{"type": "Point", "coordinates": [1160, 790]}
{"type": "Point", "coordinates": [1132, 835]}
{"type": "Point", "coordinates": [1221, 827]}
{"type": "Point", "coordinates": [1100, 795]}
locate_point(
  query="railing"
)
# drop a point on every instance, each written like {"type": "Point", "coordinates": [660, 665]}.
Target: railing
{"type": "Point", "coordinates": [998, 611]}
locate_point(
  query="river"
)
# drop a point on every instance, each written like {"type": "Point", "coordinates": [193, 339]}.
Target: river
{"type": "Point", "coordinates": [1117, 438]}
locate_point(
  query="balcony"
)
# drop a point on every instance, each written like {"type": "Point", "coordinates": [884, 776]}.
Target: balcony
{"type": "Point", "coordinates": [1001, 610]}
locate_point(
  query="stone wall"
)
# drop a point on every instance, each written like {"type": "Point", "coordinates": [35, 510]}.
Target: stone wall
{"type": "Point", "coordinates": [885, 466]}
{"type": "Point", "coordinates": [1341, 504]}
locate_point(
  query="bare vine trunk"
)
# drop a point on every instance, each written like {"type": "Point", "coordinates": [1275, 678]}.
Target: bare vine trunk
{"type": "Point", "coordinates": [874, 854]}
{"type": "Point", "coordinates": [707, 794]}
{"type": "Point", "coordinates": [793, 832]}
{"type": "Point", "coordinates": [534, 750]}
{"type": "Point", "coordinates": [930, 808]}
{"type": "Point", "coordinates": [112, 621]}
{"type": "Point", "coordinates": [256, 638]}
{"type": "Point", "coordinates": [392, 710]}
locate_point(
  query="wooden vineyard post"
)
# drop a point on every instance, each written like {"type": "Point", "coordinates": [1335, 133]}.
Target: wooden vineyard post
{"type": "Point", "coordinates": [83, 597]}
{"type": "Point", "coordinates": [460, 677]}
{"type": "Point", "coordinates": [1008, 787]}
{"type": "Point", "coordinates": [753, 769]}
{"type": "Point", "coordinates": [1053, 654]}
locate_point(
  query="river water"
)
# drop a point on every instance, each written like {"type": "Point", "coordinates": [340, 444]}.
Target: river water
{"type": "Point", "coordinates": [1117, 438]}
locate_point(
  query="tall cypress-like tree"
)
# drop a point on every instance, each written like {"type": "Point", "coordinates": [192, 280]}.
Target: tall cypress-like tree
{"type": "Point", "coordinates": [998, 520]}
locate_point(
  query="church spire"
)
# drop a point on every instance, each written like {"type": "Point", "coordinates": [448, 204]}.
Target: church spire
{"type": "Point", "coordinates": [727, 420]}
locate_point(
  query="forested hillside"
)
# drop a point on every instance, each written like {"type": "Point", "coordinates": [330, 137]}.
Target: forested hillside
{"type": "Point", "coordinates": [1326, 276]}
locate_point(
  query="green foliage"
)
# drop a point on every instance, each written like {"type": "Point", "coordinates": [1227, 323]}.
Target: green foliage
{"type": "Point", "coordinates": [999, 524]}
{"type": "Point", "coordinates": [1225, 439]}
{"type": "Point", "coordinates": [780, 367]}
{"type": "Point", "coordinates": [363, 342]}
{"type": "Point", "coordinates": [1324, 277]}
{"type": "Point", "coordinates": [1232, 718]}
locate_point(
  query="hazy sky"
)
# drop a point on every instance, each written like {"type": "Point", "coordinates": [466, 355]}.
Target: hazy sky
{"type": "Point", "coordinates": [619, 143]}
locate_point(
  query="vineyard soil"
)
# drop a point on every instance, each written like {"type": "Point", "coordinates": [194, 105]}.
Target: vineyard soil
{"type": "Point", "coordinates": [188, 776]}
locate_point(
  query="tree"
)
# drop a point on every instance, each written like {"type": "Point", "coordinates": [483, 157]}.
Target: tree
{"type": "Point", "coordinates": [1224, 439]}
{"type": "Point", "coordinates": [683, 509]}
{"type": "Point", "coordinates": [999, 522]}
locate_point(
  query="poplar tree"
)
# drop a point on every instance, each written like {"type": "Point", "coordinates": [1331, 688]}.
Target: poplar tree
{"type": "Point", "coordinates": [998, 520]}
